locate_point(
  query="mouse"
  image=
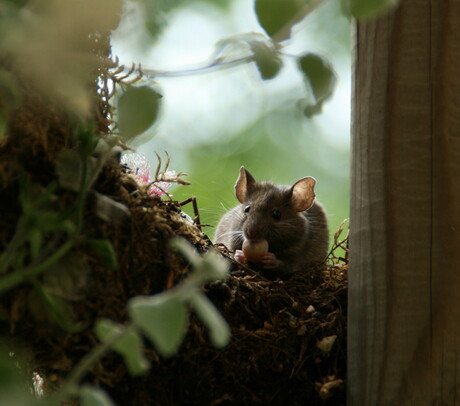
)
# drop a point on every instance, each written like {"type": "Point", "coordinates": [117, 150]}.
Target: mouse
{"type": "Point", "coordinates": [276, 229]}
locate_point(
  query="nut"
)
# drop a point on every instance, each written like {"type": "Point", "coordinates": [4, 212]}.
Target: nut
{"type": "Point", "coordinates": [255, 250]}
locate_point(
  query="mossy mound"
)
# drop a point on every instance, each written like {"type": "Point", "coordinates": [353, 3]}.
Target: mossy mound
{"type": "Point", "coordinates": [288, 336]}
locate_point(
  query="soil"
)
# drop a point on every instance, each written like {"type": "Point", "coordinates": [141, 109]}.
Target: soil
{"type": "Point", "coordinates": [277, 354]}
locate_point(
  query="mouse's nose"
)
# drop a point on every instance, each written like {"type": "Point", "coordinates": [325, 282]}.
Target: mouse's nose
{"type": "Point", "coordinates": [251, 233]}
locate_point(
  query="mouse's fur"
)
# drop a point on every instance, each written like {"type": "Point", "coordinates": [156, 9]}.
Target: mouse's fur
{"type": "Point", "coordinates": [299, 238]}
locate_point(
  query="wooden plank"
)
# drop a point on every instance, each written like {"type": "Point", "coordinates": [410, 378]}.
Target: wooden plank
{"type": "Point", "coordinates": [445, 329]}
{"type": "Point", "coordinates": [404, 318]}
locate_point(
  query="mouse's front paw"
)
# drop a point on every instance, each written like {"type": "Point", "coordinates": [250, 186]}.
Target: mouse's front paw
{"type": "Point", "coordinates": [240, 257]}
{"type": "Point", "coordinates": [269, 260]}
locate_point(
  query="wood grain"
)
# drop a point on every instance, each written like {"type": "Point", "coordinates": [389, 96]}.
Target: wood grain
{"type": "Point", "coordinates": [404, 299]}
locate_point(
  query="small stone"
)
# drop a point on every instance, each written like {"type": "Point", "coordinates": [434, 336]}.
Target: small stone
{"type": "Point", "coordinates": [302, 330]}
{"type": "Point", "coordinates": [326, 344]}
{"type": "Point", "coordinates": [310, 309]}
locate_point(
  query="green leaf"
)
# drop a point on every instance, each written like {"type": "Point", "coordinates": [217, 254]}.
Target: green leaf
{"type": "Point", "coordinates": [129, 345]}
{"type": "Point", "coordinates": [70, 168]}
{"type": "Point", "coordinates": [210, 316]}
{"type": "Point", "coordinates": [319, 74]}
{"type": "Point", "coordinates": [321, 78]}
{"type": "Point", "coordinates": [49, 221]}
{"type": "Point", "coordinates": [110, 210]}
{"type": "Point", "coordinates": [278, 16]}
{"type": "Point", "coordinates": [137, 110]}
{"type": "Point", "coordinates": [267, 59]}
{"type": "Point", "coordinates": [362, 9]}
{"type": "Point", "coordinates": [103, 249]}
{"type": "Point", "coordinates": [59, 309]}
{"type": "Point", "coordinates": [67, 278]}
{"type": "Point", "coordinates": [163, 318]}
{"type": "Point", "coordinates": [214, 266]}
{"type": "Point", "coordinates": [311, 110]}
{"type": "Point", "coordinates": [35, 240]}
{"type": "Point", "coordinates": [87, 138]}
{"type": "Point", "coordinates": [187, 250]}
{"type": "Point", "coordinates": [210, 266]}
{"type": "Point", "coordinates": [92, 396]}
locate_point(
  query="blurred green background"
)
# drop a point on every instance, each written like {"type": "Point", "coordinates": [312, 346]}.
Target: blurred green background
{"type": "Point", "coordinates": [212, 123]}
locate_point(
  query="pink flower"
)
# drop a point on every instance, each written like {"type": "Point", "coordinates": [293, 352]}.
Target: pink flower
{"type": "Point", "coordinates": [139, 166]}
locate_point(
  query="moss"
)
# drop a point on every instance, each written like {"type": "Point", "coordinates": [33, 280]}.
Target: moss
{"type": "Point", "coordinates": [273, 356]}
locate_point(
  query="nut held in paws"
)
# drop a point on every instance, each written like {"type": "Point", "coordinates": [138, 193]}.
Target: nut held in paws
{"type": "Point", "coordinates": [255, 250]}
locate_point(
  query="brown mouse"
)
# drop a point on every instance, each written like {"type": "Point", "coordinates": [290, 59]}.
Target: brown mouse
{"type": "Point", "coordinates": [287, 217]}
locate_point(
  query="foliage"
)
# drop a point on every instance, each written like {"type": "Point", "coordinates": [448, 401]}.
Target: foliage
{"type": "Point", "coordinates": [155, 12]}
{"type": "Point", "coordinates": [278, 17]}
{"type": "Point", "coordinates": [368, 8]}
{"type": "Point", "coordinates": [162, 318]}
{"type": "Point", "coordinates": [36, 245]}
{"type": "Point", "coordinates": [170, 311]}
{"type": "Point", "coordinates": [267, 59]}
{"type": "Point", "coordinates": [138, 106]}
{"type": "Point", "coordinates": [321, 78]}
{"type": "Point", "coordinates": [55, 64]}
{"type": "Point", "coordinates": [259, 123]}
{"type": "Point", "coordinates": [48, 234]}
{"type": "Point", "coordinates": [137, 110]}
{"type": "Point", "coordinates": [92, 396]}
{"type": "Point", "coordinates": [13, 382]}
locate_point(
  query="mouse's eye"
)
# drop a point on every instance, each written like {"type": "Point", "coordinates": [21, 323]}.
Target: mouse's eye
{"type": "Point", "coordinates": [276, 214]}
{"type": "Point", "coordinates": [247, 208]}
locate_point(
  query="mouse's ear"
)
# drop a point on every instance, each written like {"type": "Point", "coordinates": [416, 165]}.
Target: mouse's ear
{"type": "Point", "coordinates": [244, 184]}
{"type": "Point", "coordinates": [303, 193]}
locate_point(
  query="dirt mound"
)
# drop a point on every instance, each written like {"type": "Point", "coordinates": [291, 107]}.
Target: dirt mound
{"type": "Point", "coordinates": [288, 337]}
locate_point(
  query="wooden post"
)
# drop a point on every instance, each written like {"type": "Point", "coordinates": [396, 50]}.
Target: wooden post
{"type": "Point", "coordinates": [404, 294]}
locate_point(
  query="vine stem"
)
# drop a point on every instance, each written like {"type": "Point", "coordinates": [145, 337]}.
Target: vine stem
{"type": "Point", "coordinates": [82, 193]}
{"type": "Point", "coordinates": [16, 277]}
{"type": "Point", "coordinates": [70, 386]}
{"type": "Point", "coordinates": [198, 69]}
{"type": "Point", "coordinates": [219, 63]}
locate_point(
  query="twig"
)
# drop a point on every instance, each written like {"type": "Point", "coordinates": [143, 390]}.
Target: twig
{"type": "Point", "coordinates": [192, 200]}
